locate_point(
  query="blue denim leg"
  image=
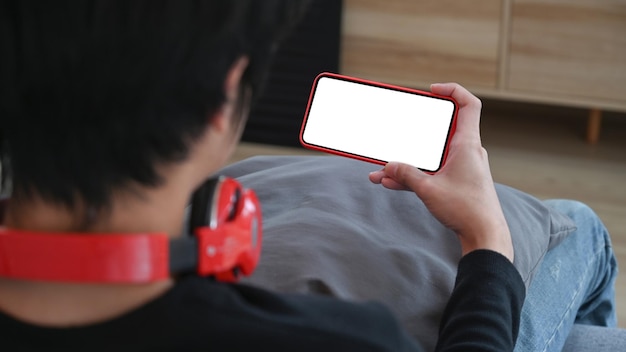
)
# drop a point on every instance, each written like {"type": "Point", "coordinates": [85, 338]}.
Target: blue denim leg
{"type": "Point", "coordinates": [575, 284]}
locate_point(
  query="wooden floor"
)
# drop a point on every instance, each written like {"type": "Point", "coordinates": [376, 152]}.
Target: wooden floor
{"type": "Point", "coordinates": [541, 150]}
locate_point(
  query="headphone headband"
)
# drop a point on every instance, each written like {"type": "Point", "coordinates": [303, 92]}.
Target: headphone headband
{"type": "Point", "coordinates": [229, 245]}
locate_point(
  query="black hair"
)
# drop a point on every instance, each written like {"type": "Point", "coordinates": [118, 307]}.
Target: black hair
{"type": "Point", "coordinates": [95, 94]}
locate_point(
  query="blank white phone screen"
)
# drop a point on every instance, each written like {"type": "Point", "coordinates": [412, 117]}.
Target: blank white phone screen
{"type": "Point", "coordinates": [378, 123]}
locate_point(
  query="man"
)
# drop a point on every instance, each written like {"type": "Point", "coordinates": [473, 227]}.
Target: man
{"type": "Point", "coordinates": [115, 112]}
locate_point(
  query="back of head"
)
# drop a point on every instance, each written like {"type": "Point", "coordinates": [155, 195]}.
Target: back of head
{"type": "Point", "coordinates": [95, 94]}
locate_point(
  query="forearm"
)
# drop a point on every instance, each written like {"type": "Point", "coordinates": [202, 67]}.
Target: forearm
{"type": "Point", "coordinates": [484, 310]}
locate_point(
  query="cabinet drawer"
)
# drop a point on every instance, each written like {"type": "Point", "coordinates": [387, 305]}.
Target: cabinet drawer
{"type": "Point", "coordinates": [569, 48]}
{"type": "Point", "coordinates": [415, 43]}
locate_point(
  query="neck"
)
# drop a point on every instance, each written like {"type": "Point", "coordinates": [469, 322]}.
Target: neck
{"type": "Point", "coordinates": [159, 210]}
{"type": "Point", "coordinates": [149, 210]}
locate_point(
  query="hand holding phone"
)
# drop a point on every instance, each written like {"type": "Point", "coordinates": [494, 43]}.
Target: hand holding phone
{"type": "Point", "coordinates": [462, 195]}
{"type": "Point", "coordinates": [378, 122]}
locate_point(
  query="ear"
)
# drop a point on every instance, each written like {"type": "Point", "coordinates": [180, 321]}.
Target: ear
{"type": "Point", "coordinates": [221, 119]}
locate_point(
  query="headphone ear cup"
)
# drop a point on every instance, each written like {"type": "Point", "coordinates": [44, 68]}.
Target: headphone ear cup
{"type": "Point", "coordinates": [202, 204]}
{"type": "Point", "coordinates": [217, 201]}
{"type": "Point", "coordinates": [226, 221]}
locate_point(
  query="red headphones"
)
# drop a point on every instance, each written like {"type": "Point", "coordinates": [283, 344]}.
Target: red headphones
{"type": "Point", "coordinates": [226, 241]}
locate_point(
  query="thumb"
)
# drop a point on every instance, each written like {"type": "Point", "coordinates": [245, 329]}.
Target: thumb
{"type": "Point", "coordinates": [406, 175]}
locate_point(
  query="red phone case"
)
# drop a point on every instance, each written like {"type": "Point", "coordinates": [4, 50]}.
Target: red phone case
{"type": "Point", "coordinates": [451, 130]}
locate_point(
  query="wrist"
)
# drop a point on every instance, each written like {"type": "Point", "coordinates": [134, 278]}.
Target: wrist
{"type": "Point", "coordinates": [497, 239]}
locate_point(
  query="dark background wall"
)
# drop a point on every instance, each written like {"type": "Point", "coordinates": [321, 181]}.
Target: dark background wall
{"type": "Point", "coordinates": [313, 47]}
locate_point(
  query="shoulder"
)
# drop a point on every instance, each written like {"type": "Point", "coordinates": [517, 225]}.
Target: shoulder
{"type": "Point", "coordinates": [288, 320]}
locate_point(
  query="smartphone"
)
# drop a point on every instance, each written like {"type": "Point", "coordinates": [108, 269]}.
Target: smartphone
{"type": "Point", "coordinates": [378, 122]}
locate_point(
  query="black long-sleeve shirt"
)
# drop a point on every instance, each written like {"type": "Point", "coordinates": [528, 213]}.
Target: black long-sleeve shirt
{"type": "Point", "coordinates": [198, 314]}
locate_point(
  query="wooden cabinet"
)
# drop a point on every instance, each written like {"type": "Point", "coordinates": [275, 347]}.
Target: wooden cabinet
{"type": "Point", "coordinates": [569, 52]}
{"type": "Point", "coordinates": [412, 42]}
{"type": "Point", "coordinates": [569, 48]}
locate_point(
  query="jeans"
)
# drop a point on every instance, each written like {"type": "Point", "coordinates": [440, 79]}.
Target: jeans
{"type": "Point", "coordinates": [574, 285]}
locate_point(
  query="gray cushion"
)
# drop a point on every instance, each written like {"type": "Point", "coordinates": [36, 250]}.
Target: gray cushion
{"type": "Point", "coordinates": [328, 230]}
